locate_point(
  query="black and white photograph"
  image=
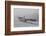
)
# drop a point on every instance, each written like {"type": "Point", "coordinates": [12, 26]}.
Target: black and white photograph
{"type": "Point", "coordinates": [25, 17]}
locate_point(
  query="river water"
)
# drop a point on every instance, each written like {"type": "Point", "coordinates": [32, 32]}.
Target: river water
{"type": "Point", "coordinates": [26, 24]}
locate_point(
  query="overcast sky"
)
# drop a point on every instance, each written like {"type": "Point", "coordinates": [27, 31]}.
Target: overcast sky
{"type": "Point", "coordinates": [26, 12]}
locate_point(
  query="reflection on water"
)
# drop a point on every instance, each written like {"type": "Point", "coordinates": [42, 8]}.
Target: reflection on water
{"type": "Point", "coordinates": [26, 24]}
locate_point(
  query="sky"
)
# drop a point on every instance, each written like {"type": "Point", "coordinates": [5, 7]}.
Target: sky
{"type": "Point", "coordinates": [29, 13]}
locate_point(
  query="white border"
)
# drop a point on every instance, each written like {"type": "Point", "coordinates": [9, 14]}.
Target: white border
{"type": "Point", "coordinates": [25, 28]}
